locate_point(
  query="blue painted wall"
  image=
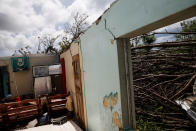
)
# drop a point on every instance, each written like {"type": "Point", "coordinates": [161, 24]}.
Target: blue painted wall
{"type": "Point", "coordinates": [100, 60]}
{"type": "Point", "coordinates": [126, 16]}
{"type": "Point", "coordinates": [100, 66]}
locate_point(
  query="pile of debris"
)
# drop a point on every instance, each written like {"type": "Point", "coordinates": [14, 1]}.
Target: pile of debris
{"type": "Point", "coordinates": [163, 79]}
{"type": "Point", "coordinates": [68, 126]}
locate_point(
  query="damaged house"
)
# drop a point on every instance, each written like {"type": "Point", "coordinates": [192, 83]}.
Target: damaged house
{"type": "Point", "coordinates": [96, 72]}
{"type": "Point", "coordinates": [17, 73]}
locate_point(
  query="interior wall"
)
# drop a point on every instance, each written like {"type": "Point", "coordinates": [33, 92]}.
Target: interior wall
{"type": "Point", "coordinates": [24, 79]}
{"type": "Point", "coordinates": [70, 83]}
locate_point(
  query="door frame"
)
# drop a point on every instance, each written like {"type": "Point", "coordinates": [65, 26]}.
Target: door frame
{"type": "Point", "coordinates": [2, 71]}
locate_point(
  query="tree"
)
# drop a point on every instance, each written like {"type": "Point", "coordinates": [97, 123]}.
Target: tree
{"type": "Point", "coordinates": [148, 39]}
{"type": "Point", "coordinates": [187, 26]}
{"type": "Point", "coordinates": [71, 34]}
{"type": "Point", "coordinates": [46, 45]}
{"type": "Point", "coordinates": [22, 51]}
{"type": "Point", "coordinates": [135, 41]}
{"type": "Point", "coordinates": [73, 31]}
{"type": "Point", "coordinates": [145, 38]}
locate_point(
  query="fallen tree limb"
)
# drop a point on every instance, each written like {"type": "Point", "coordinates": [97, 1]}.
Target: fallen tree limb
{"type": "Point", "coordinates": [162, 75]}
{"type": "Point", "coordinates": [183, 89]}
{"type": "Point", "coordinates": [152, 75]}
{"type": "Point", "coordinates": [163, 98]}
{"type": "Point", "coordinates": [179, 77]}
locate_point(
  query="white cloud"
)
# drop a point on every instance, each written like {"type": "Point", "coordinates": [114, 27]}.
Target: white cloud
{"type": "Point", "coordinates": [176, 27]}
{"type": "Point", "coordinates": [22, 21]}
{"type": "Point", "coordinates": [165, 38]}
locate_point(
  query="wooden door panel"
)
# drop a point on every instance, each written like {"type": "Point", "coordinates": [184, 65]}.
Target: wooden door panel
{"type": "Point", "coordinates": [78, 88]}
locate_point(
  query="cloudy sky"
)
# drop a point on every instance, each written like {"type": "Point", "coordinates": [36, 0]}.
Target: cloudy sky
{"type": "Point", "coordinates": [22, 21]}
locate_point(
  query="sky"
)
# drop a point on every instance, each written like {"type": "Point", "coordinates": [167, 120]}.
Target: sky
{"type": "Point", "coordinates": [23, 21]}
{"type": "Point", "coordinates": [170, 28]}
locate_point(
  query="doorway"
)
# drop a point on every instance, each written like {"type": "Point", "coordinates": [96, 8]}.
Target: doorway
{"type": "Point", "coordinates": [4, 82]}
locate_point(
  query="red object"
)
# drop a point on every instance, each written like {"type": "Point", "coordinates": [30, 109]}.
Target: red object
{"type": "Point", "coordinates": [63, 76]}
{"type": "Point", "coordinates": [18, 99]}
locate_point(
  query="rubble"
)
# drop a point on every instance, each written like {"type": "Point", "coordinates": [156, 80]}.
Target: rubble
{"type": "Point", "coordinates": [68, 126]}
{"type": "Point", "coordinates": [32, 123]}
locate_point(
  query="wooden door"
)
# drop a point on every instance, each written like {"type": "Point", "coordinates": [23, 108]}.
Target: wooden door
{"type": "Point", "coordinates": [78, 88]}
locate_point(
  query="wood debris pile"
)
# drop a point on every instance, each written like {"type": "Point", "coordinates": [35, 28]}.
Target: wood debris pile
{"type": "Point", "coordinates": [163, 73]}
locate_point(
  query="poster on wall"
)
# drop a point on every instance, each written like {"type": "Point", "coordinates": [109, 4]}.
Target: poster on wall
{"type": "Point", "coordinates": [20, 63]}
{"type": "Point", "coordinates": [40, 71]}
{"type": "Point", "coordinates": [55, 69]}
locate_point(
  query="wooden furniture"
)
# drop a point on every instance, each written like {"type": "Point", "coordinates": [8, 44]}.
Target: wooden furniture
{"type": "Point", "coordinates": [18, 111]}
{"type": "Point", "coordinates": [56, 103]}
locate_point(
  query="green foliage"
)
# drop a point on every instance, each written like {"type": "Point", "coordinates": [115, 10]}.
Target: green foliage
{"type": "Point", "coordinates": [159, 109]}
{"type": "Point", "coordinates": [187, 26]}
{"type": "Point", "coordinates": [142, 124]}
{"type": "Point", "coordinates": [148, 39]}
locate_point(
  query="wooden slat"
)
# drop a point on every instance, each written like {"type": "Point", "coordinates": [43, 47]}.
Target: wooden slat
{"type": "Point", "coordinates": [57, 103]}
{"type": "Point", "coordinates": [22, 108]}
{"type": "Point", "coordinates": [58, 108]}
{"type": "Point", "coordinates": [17, 111]}
{"type": "Point", "coordinates": [25, 114]}
{"type": "Point", "coordinates": [58, 96]}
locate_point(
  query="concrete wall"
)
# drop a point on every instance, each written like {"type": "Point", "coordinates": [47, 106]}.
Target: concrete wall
{"type": "Point", "coordinates": [101, 78]}
{"type": "Point", "coordinates": [125, 18]}
{"type": "Point", "coordinates": [133, 17]}
{"type": "Point", "coordinates": [70, 83]}
{"type": "Point", "coordinates": [24, 79]}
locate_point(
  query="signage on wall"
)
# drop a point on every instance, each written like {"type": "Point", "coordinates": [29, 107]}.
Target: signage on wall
{"type": "Point", "coordinates": [20, 63]}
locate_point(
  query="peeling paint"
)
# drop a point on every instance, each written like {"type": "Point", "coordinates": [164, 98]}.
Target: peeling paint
{"type": "Point", "coordinates": [111, 100]}
{"type": "Point", "coordinates": [114, 99]}
{"type": "Point", "coordinates": [106, 102]}
{"type": "Point", "coordinates": [117, 120]}
{"type": "Point", "coordinates": [112, 41]}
